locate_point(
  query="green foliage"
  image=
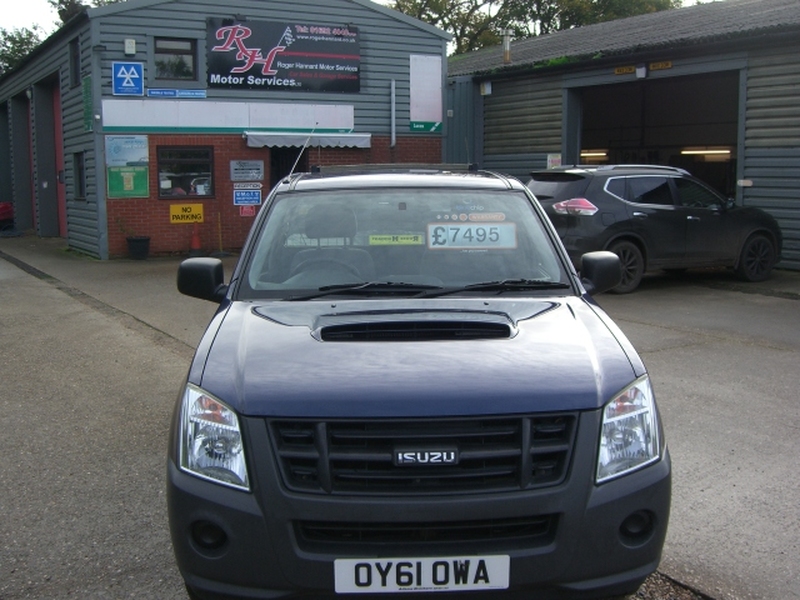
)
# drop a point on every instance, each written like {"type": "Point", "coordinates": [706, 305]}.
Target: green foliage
{"type": "Point", "coordinates": [67, 9]}
{"type": "Point", "coordinates": [478, 24]}
{"type": "Point", "coordinates": [16, 44]}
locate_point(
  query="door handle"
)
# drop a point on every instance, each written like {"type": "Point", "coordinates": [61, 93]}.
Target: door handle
{"type": "Point", "coordinates": [640, 215]}
{"type": "Point", "coordinates": [692, 218]}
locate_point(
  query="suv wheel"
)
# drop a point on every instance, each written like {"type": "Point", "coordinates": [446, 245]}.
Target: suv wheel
{"type": "Point", "coordinates": [632, 266]}
{"type": "Point", "coordinates": [757, 258]}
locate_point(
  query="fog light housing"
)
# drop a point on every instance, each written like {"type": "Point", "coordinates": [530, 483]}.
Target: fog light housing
{"type": "Point", "coordinates": [637, 528]}
{"type": "Point", "coordinates": [208, 536]}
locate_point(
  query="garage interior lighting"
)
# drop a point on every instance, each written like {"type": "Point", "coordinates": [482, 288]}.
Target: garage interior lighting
{"type": "Point", "coordinates": [594, 156]}
{"type": "Point", "coordinates": [706, 151]}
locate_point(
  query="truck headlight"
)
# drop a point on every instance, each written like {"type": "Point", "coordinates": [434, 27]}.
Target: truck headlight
{"type": "Point", "coordinates": [629, 435]}
{"type": "Point", "coordinates": [211, 440]}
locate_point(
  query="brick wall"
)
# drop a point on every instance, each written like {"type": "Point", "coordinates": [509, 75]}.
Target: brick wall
{"type": "Point", "coordinates": [223, 228]}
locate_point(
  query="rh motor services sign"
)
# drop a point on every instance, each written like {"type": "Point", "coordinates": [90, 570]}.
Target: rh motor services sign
{"type": "Point", "coordinates": [282, 56]}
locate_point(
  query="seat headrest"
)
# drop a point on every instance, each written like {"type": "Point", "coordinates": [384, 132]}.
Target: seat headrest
{"type": "Point", "coordinates": [331, 221]}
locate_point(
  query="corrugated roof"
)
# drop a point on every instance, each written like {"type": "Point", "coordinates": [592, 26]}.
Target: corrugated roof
{"type": "Point", "coordinates": [691, 25]}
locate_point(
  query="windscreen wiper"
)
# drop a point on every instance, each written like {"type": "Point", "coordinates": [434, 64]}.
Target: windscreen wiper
{"type": "Point", "coordinates": [367, 288]}
{"type": "Point", "coordinates": [504, 285]}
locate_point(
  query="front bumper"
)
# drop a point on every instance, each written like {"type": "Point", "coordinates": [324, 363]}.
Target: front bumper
{"type": "Point", "coordinates": [603, 540]}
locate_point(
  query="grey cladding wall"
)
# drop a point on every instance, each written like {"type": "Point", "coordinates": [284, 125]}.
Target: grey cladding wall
{"type": "Point", "coordinates": [772, 142]}
{"type": "Point", "coordinates": [386, 42]}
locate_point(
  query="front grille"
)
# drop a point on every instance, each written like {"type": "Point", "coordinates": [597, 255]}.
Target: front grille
{"type": "Point", "coordinates": [357, 457]}
{"type": "Point", "coordinates": [525, 532]}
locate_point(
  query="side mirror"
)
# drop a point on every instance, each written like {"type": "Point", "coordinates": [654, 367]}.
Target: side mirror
{"type": "Point", "coordinates": [202, 278]}
{"type": "Point", "coordinates": [600, 271]}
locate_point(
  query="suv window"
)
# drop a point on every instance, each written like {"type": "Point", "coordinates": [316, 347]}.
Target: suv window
{"type": "Point", "coordinates": [649, 190]}
{"type": "Point", "coordinates": [557, 186]}
{"type": "Point", "coordinates": [617, 187]}
{"type": "Point", "coordinates": [694, 195]}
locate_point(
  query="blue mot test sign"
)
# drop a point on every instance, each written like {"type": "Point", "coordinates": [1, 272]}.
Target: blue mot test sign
{"type": "Point", "coordinates": [127, 78]}
{"type": "Point", "coordinates": [292, 56]}
{"type": "Point", "coordinates": [247, 197]}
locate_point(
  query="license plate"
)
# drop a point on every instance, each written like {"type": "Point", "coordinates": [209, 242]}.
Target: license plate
{"type": "Point", "coordinates": [441, 574]}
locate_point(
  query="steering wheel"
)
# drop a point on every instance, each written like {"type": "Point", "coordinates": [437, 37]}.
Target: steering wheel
{"type": "Point", "coordinates": [317, 263]}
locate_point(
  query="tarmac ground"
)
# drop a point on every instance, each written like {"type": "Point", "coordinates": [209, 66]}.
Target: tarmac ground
{"type": "Point", "coordinates": [144, 293]}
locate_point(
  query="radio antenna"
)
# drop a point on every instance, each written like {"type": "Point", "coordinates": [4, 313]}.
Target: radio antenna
{"type": "Point", "coordinates": [303, 149]}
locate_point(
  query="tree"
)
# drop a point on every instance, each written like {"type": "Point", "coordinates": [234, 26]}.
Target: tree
{"type": "Point", "coordinates": [471, 22]}
{"type": "Point", "coordinates": [480, 23]}
{"type": "Point", "coordinates": [67, 9]}
{"type": "Point", "coordinates": [16, 44]}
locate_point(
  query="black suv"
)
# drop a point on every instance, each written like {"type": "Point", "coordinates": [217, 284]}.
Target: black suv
{"type": "Point", "coordinates": [655, 218]}
{"type": "Point", "coordinates": [408, 389]}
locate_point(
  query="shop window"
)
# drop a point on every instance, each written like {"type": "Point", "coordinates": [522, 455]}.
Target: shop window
{"type": "Point", "coordinates": [185, 171]}
{"type": "Point", "coordinates": [176, 58]}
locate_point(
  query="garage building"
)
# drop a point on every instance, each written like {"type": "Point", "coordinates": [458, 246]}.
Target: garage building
{"type": "Point", "coordinates": [712, 88]}
{"type": "Point", "coordinates": [169, 120]}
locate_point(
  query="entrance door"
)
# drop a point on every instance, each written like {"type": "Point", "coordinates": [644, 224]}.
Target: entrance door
{"type": "Point", "coordinates": [282, 160]}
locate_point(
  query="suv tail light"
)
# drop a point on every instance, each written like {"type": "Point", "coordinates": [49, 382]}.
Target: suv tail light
{"type": "Point", "coordinates": [579, 207]}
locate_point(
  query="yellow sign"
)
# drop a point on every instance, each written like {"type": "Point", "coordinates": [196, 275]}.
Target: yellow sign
{"type": "Point", "coordinates": [185, 213]}
{"type": "Point", "coordinates": [397, 240]}
{"type": "Point", "coordinates": [660, 66]}
{"type": "Point", "coordinates": [625, 70]}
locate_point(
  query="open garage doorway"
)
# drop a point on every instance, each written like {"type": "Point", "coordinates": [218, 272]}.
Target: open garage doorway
{"type": "Point", "coordinates": [689, 122]}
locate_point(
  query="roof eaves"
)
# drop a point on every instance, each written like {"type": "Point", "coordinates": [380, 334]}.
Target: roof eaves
{"type": "Point", "coordinates": [613, 38]}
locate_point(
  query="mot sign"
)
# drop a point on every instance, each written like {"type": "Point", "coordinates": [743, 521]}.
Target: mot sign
{"type": "Point", "coordinates": [127, 78]}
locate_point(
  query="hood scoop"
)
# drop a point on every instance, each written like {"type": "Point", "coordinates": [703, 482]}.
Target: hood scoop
{"type": "Point", "coordinates": [415, 331]}
{"type": "Point", "coordinates": [359, 321]}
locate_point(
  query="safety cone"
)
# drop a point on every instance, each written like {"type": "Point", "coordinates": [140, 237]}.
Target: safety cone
{"type": "Point", "coordinates": [196, 248]}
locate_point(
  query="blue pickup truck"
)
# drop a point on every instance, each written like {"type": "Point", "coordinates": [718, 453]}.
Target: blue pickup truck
{"type": "Point", "coordinates": [408, 388]}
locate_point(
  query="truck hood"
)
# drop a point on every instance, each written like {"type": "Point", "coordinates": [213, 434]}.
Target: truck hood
{"type": "Point", "coordinates": [441, 357]}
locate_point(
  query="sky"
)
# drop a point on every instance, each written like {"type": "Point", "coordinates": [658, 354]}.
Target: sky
{"type": "Point", "coordinates": [24, 13]}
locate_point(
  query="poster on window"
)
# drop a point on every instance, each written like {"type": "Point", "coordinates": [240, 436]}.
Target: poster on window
{"type": "Point", "coordinates": [127, 166]}
{"type": "Point", "coordinates": [266, 55]}
{"type": "Point", "coordinates": [426, 93]}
